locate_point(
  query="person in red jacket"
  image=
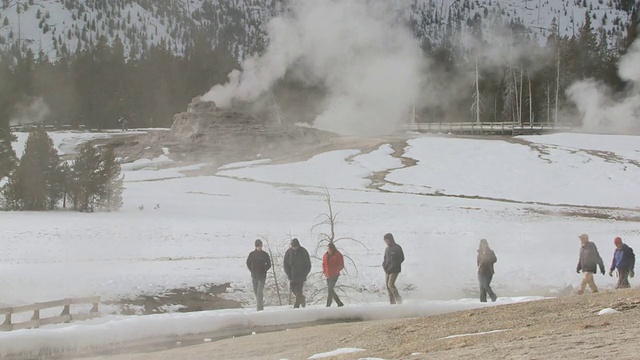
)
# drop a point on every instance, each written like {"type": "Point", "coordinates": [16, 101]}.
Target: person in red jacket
{"type": "Point", "coordinates": [332, 264]}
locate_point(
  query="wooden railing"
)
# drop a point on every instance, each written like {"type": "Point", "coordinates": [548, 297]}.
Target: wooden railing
{"type": "Point", "coordinates": [64, 317]}
{"type": "Point", "coordinates": [504, 128]}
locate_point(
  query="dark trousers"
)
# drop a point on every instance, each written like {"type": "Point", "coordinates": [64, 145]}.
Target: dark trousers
{"type": "Point", "coordinates": [394, 295]}
{"type": "Point", "coordinates": [258, 290]}
{"type": "Point", "coordinates": [484, 281]}
{"type": "Point", "coordinates": [623, 279]}
{"type": "Point", "coordinates": [296, 289]}
{"type": "Point", "coordinates": [331, 286]}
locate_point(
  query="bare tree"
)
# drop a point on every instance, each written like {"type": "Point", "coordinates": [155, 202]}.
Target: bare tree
{"type": "Point", "coordinates": [530, 100]}
{"type": "Point", "coordinates": [475, 107]}
{"type": "Point", "coordinates": [326, 224]}
{"type": "Point", "coordinates": [276, 279]}
{"type": "Point", "coordinates": [555, 119]}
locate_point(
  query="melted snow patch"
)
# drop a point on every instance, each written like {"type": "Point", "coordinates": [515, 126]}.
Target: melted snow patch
{"type": "Point", "coordinates": [142, 164]}
{"type": "Point", "coordinates": [336, 353]}
{"type": "Point", "coordinates": [245, 164]}
{"type": "Point", "coordinates": [475, 334]}
{"type": "Point", "coordinates": [608, 311]}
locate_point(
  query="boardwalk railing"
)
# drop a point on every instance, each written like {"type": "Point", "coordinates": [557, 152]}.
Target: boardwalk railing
{"type": "Point", "coordinates": [36, 321]}
{"type": "Point", "coordinates": [489, 128]}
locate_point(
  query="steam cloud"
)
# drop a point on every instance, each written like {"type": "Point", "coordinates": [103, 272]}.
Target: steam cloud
{"type": "Point", "coordinates": [600, 109]}
{"type": "Point", "coordinates": [33, 111]}
{"type": "Point", "coordinates": [368, 62]}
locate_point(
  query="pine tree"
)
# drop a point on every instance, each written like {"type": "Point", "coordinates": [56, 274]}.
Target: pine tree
{"type": "Point", "coordinates": [7, 155]}
{"type": "Point", "coordinates": [111, 197]}
{"type": "Point", "coordinates": [87, 179]}
{"type": "Point", "coordinates": [34, 185]}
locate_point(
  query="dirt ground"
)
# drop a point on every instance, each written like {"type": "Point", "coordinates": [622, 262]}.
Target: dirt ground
{"type": "Point", "coordinates": [563, 328]}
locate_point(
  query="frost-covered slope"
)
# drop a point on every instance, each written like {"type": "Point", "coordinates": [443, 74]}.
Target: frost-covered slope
{"type": "Point", "coordinates": [57, 26]}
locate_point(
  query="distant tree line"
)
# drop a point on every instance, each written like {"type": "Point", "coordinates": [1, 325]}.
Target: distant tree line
{"type": "Point", "coordinates": [100, 84]}
{"type": "Point", "coordinates": [97, 86]}
{"type": "Point", "coordinates": [521, 86]}
{"type": "Point", "coordinates": [41, 181]}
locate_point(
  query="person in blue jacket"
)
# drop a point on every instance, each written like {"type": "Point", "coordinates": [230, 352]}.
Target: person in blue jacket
{"type": "Point", "coordinates": [624, 261]}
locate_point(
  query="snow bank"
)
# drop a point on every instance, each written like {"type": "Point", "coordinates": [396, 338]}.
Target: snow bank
{"type": "Point", "coordinates": [141, 164]}
{"type": "Point", "coordinates": [67, 142]}
{"type": "Point", "coordinates": [160, 174]}
{"type": "Point", "coordinates": [113, 331]}
{"type": "Point", "coordinates": [336, 352]}
{"type": "Point", "coordinates": [608, 311]}
{"type": "Point", "coordinates": [244, 164]}
{"type": "Point", "coordinates": [475, 334]}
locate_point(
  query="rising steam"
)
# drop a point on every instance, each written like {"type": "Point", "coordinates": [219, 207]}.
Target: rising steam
{"type": "Point", "coordinates": [31, 111]}
{"type": "Point", "coordinates": [600, 109]}
{"type": "Point", "coordinates": [368, 63]}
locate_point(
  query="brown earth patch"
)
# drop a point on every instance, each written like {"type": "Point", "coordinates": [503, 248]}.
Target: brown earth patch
{"type": "Point", "coordinates": [201, 298]}
{"type": "Point", "coordinates": [563, 328]}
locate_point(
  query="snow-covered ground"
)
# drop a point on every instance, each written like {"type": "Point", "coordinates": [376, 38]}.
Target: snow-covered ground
{"type": "Point", "coordinates": [205, 226]}
{"type": "Point", "coordinates": [66, 142]}
{"type": "Point", "coordinates": [198, 230]}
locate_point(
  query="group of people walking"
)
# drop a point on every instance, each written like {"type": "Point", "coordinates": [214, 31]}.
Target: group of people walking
{"type": "Point", "coordinates": [297, 266]}
{"type": "Point", "coordinates": [623, 263]}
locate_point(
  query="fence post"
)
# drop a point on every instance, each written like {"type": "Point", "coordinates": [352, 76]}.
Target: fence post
{"type": "Point", "coordinates": [36, 317]}
{"type": "Point", "coordinates": [95, 309]}
{"type": "Point", "coordinates": [66, 311]}
{"type": "Point", "coordinates": [7, 321]}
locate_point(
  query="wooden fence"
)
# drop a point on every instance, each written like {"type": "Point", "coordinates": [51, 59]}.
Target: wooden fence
{"type": "Point", "coordinates": [36, 321]}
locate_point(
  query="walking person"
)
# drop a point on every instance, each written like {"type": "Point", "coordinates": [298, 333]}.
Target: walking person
{"type": "Point", "coordinates": [258, 263]}
{"type": "Point", "coordinates": [624, 260]}
{"type": "Point", "coordinates": [297, 265]}
{"type": "Point", "coordinates": [392, 265]}
{"type": "Point", "coordinates": [485, 261]}
{"type": "Point", "coordinates": [332, 264]}
{"type": "Point", "coordinates": [588, 263]}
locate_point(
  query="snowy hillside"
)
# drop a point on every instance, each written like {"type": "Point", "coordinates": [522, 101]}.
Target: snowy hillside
{"type": "Point", "coordinates": [58, 26]}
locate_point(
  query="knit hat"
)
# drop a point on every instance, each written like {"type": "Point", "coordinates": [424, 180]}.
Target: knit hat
{"type": "Point", "coordinates": [258, 243]}
{"type": "Point", "coordinates": [584, 237]}
{"type": "Point", "coordinates": [617, 241]}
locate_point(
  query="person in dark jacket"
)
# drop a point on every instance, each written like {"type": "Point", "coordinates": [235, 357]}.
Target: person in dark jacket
{"type": "Point", "coordinates": [258, 263]}
{"type": "Point", "coordinates": [588, 263]}
{"type": "Point", "coordinates": [485, 261]}
{"type": "Point", "coordinates": [297, 265]}
{"type": "Point", "coordinates": [624, 260]}
{"type": "Point", "coordinates": [332, 264]}
{"type": "Point", "coordinates": [392, 265]}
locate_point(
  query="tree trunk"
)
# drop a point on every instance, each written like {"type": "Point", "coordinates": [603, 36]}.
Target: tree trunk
{"type": "Point", "coordinates": [530, 101]}
{"type": "Point", "coordinates": [548, 103]}
{"type": "Point", "coordinates": [477, 92]}
{"type": "Point", "coordinates": [555, 120]}
{"type": "Point", "coordinates": [521, 91]}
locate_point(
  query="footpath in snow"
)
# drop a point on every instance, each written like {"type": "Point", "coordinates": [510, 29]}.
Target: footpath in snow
{"type": "Point", "coordinates": [114, 331]}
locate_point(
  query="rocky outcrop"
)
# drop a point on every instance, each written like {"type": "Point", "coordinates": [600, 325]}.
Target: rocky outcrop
{"type": "Point", "coordinates": [205, 130]}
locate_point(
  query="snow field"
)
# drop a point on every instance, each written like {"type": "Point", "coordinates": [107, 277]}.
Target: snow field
{"type": "Point", "coordinates": [205, 226]}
